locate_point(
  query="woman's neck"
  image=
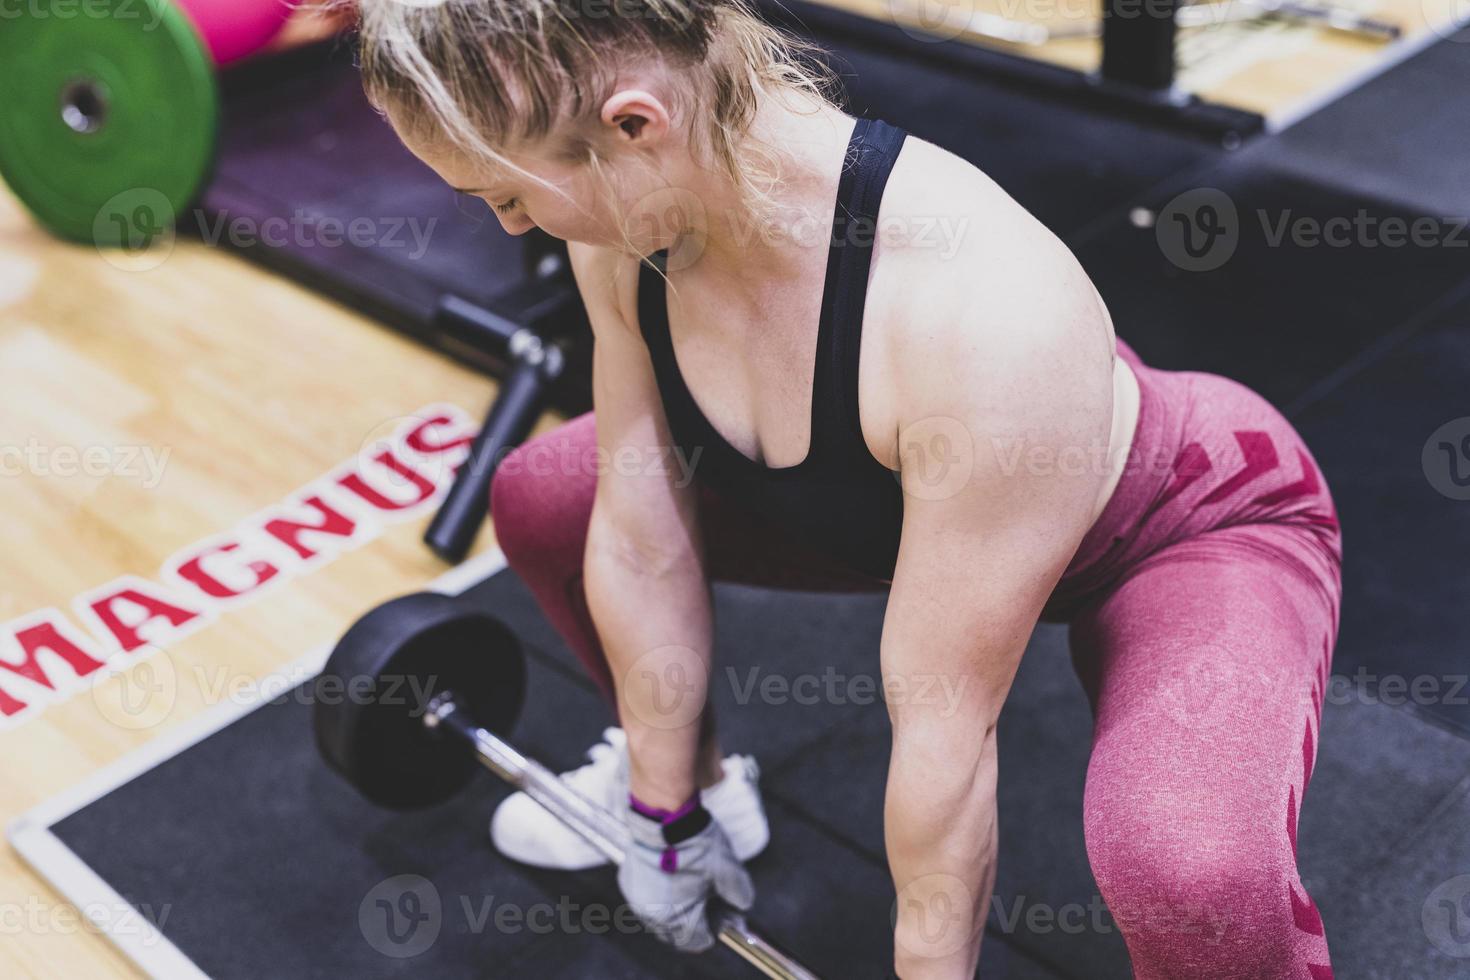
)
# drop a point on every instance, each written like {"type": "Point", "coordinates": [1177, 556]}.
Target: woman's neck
{"type": "Point", "coordinates": [746, 247]}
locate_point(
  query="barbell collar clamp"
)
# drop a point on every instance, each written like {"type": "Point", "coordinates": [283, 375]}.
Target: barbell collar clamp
{"type": "Point", "coordinates": [528, 347]}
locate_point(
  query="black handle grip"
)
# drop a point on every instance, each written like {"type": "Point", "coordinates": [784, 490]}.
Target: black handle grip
{"type": "Point", "coordinates": [522, 396]}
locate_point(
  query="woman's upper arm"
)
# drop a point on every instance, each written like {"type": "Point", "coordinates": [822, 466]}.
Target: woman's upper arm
{"type": "Point", "coordinates": [1001, 412]}
{"type": "Point", "coordinates": [640, 495]}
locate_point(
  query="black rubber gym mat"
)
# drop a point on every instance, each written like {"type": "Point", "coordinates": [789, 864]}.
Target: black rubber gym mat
{"type": "Point", "coordinates": [1272, 303]}
{"type": "Point", "coordinates": [266, 860]}
{"type": "Point", "coordinates": [1389, 436]}
{"type": "Point", "coordinates": [1401, 137]}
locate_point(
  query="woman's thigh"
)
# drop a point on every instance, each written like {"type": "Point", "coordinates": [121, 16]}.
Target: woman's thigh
{"type": "Point", "coordinates": [1206, 665]}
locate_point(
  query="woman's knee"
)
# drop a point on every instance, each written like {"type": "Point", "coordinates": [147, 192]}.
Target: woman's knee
{"type": "Point", "coordinates": [541, 496]}
{"type": "Point", "coordinates": [1199, 897]}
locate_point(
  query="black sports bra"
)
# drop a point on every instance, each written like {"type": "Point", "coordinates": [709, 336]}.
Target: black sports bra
{"type": "Point", "coordinates": [839, 499]}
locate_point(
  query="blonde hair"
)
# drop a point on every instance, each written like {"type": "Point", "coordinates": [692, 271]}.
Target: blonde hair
{"type": "Point", "coordinates": [483, 72]}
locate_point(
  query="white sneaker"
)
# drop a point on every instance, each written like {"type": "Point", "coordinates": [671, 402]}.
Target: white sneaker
{"type": "Point", "coordinates": [735, 803]}
{"type": "Point", "coordinates": [524, 831]}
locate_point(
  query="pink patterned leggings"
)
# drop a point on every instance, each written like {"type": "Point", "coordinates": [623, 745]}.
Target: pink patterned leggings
{"type": "Point", "coordinates": [1203, 607]}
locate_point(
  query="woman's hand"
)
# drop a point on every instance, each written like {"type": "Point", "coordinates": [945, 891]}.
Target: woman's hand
{"type": "Point", "coordinates": [673, 863]}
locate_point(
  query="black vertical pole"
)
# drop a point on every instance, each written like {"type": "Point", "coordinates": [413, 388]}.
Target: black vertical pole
{"type": "Point", "coordinates": [1138, 42]}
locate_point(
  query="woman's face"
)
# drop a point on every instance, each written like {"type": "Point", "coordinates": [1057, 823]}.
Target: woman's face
{"type": "Point", "coordinates": [630, 209]}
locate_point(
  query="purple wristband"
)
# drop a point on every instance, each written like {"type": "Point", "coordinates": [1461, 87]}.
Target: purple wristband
{"type": "Point", "coordinates": [677, 826]}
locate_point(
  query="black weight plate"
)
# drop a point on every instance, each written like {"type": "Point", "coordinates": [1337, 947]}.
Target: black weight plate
{"type": "Point", "coordinates": [371, 697]}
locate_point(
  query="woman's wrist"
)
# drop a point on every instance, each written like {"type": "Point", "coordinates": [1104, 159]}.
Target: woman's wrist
{"type": "Point", "coordinates": [955, 966]}
{"type": "Point", "coordinates": [663, 763]}
{"type": "Point", "coordinates": [661, 770]}
{"type": "Point", "coordinates": [663, 793]}
{"type": "Point", "coordinates": [664, 829]}
{"type": "Point", "coordinates": [938, 930]}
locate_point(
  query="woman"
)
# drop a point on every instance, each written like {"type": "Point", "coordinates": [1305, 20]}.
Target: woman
{"type": "Point", "coordinates": [929, 400]}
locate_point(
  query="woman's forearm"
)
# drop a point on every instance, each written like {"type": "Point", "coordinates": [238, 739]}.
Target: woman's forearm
{"type": "Point", "coordinates": [654, 619]}
{"type": "Point", "coordinates": [941, 829]}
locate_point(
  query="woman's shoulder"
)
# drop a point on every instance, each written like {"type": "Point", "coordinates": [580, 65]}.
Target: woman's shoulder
{"type": "Point", "coordinates": [968, 286]}
{"type": "Point", "coordinates": [955, 253]}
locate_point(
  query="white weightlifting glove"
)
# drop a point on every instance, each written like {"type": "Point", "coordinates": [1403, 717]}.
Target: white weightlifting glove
{"type": "Point", "coordinates": [674, 860]}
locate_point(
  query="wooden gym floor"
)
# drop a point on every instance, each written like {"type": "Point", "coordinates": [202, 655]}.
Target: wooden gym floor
{"type": "Point", "coordinates": [186, 360]}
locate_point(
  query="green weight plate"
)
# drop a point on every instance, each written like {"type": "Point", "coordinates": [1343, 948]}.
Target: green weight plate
{"type": "Point", "coordinates": [108, 116]}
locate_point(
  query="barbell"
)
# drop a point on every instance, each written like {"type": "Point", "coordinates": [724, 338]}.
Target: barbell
{"type": "Point", "coordinates": [417, 696]}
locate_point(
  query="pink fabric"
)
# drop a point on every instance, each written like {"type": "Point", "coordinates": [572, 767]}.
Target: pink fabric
{"type": "Point", "coordinates": [1203, 607]}
{"type": "Point", "coordinates": [236, 29]}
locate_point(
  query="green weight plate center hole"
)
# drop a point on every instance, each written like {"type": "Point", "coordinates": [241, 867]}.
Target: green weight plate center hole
{"type": "Point", "coordinates": [85, 105]}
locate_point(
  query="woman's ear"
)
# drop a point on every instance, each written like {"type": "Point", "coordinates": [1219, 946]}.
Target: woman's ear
{"type": "Point", "coordinates": [634, 116]}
